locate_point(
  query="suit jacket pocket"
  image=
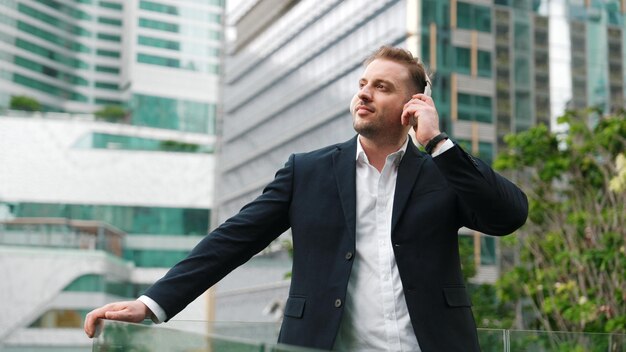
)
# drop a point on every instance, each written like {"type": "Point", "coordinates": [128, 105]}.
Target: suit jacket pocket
{"type": "Point", "coordinates": [294, 307]}
{"type": "Point", "coordinates": [456, 296]}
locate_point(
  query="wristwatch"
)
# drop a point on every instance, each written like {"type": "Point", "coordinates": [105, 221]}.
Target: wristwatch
{"type": "Point", "coordinates": [430, 146]}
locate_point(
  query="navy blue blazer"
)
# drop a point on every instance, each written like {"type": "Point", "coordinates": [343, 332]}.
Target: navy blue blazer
{"type": "Point", "coordinates": [314, 194]}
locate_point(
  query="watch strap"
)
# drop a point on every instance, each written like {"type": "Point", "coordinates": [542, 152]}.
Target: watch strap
{"type": "Point", "coordinates": [430, 146]}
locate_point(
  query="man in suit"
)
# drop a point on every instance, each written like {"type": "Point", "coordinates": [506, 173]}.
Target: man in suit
{"type": "Point", "coordinates": [375, 229]}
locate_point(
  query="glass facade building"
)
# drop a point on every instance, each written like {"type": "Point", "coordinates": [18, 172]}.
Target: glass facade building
{"type": "Point", "coordinates": [76, 56]}
{"type": "Point", "coordinates": [150, 176]}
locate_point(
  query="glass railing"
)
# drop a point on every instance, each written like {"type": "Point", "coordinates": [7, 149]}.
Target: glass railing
{"type": "Point", "coordinates": [119, 336]}
{"type": "Point", "coordinates": [565, 341]}
{"type": "Point", "coordinates": [201, 336]}
{"type": "Point", "coordinates": [62, 233]}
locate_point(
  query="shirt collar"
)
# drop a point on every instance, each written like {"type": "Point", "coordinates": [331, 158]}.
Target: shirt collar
{"type": "Point", "coordinates": [397, 155]}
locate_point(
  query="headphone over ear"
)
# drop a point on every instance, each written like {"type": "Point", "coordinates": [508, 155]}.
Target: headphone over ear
{"type": "Point", "coordinates": [427, 90]}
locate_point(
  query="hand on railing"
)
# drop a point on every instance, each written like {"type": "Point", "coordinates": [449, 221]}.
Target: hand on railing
{"type": "Point", "coordinates": [129, 311]}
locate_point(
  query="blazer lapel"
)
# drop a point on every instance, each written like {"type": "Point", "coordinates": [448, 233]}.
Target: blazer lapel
{"type": "Point", "coordinates": [344, 165]}
{"type": "Point", "coordinates": [408, 170]}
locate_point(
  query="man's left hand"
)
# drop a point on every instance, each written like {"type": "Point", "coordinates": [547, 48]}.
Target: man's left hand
{"type": "Point", "coordinates": [420, 112]}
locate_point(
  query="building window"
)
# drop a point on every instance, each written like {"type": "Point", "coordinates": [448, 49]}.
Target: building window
{"type": "Point", "coordinates": [50, 54]}
{"type": "Point", "coordinates": [177, 114]}
{"type": "Point", "coordinates": [473, 17]}
{"type": "Point", "coordinates": [107, 69]}
{"type": "Point", "coordinates": [107, 85]}
{"type": "Point", "coordinates": [132, 143]}
{"type": "Point", "coordinates": [52, 38]}
{"type": "Point", "coordinates": [463, 60]}
{"type": "Point", "coordinates": [158, 43]}
{"type": "Point", "coordinates": [475, 108]}
{"type": "Point", "coordinates": [109, 37]}
{"type": "Point", "coordinates": [130, 219]}
{"type": "Point", "coordinates": [158, 25]}
{"type": "Point", "coordinates": [484, 63]}
{"type": "Point", "coordinates": [48, 88]}
{"type": "Point", "coordinates": [110, 21]}
{"type": "Point", "coordinates": [110, 5]}
{"type": "Point", "coordinates": [108, 53]}
{"type": "Point", "coordinates": [158, 60]}
{"type": "Point", "coordinates": [67, 9]}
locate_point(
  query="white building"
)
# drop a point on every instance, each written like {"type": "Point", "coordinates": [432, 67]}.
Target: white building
{"type": "Point", "coordinates": [92, 211]}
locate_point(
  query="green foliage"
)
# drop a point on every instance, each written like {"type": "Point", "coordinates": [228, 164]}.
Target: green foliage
{"type": "Point", "coordinates": [571, 274]}
{"type": "Point", "coordinates": [111, 113]}
{"type": "Point", "coordinates": [25, 103]}
{"type": "Point", "coordinates": [466, 253]}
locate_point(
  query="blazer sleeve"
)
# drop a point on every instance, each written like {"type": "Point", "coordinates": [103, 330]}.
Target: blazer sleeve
{"type": "Point", "coordinates": [488, 202]}
{"type": "Point", "coordinates": [227, 247]}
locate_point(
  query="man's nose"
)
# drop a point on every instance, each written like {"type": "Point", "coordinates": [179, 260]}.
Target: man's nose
{"type": "Point", "coordinates": [364, 93]}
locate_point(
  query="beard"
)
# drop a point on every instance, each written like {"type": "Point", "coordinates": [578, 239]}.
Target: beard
{"type": "Point", "coordinates": [367, 129]}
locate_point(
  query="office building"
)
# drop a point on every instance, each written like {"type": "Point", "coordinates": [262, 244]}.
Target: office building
{"type": "Point", "coordinates": [93, 211]}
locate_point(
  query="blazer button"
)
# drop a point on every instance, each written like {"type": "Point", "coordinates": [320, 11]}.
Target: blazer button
{"type": "Point", "coordinates": [337, 303]}
{"type": "Point", "coordinates": [348, 255]}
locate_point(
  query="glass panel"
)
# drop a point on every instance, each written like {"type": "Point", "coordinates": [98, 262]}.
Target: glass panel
{"type": "Point", "coordinates": [463, 15]}
{"type": "Point", "coordinates": [144, 220]}
{"type": "Point", "coordinates": [53, 21]}
{"type": "Point", "coordinates": [110, 21]}
{"type": "Point", "coordinates": [522, 36]}
{"type": "Point", "coordinates": [48, 88]}
{"type": "Point", "coordinates": [158, 60]}
{"type": "Point", "coordinates": [155, 258]}
{"type": "Point", "coordinates": [64, 8]}
{"type": "Point", "coordinates": [50, 54]}
{"type": "Point", "coordinates": [158, 25]}
{"type": "Point", "coordinates": [108, 53]}
{"type": "Point", "coordinates": [123, 142]}
{"type": "Point", "coordinates": [475, 108]}
{"type": "Point", "coordinates": [491, 340]}
{"type": "Point", "coordinates": [564, 341]}
{"type": "Point", "coordinates": [182, 335]}
{"type": "Point", "coordinates": [109, 37]}
{"type": "Point", "coordinates": [177, 114]}
{"type": "Point", "coordinates": [49, 71]}
{"type": "Point", "coordinates": [522, 72]}
{"type": "Point", "coordinates": [482, 17]}
{"type": "Point", "coordinates": [522, 111]}
{"type": "Point", "coordinates": [110, 5]}
{"type": "Point", "coordinates": [463, 61]}
{"type": "Point", "coordinates": [487, 243]}
{"type": "Point", "coordinates": [106, 85]}
{"type": "Point", "coordinates": [158, 42]}
{"type": "Point", "coordinates": [107, 69]}
{"type": "Point", "coordinates": [52, 38]}
{"type": "Point", "coordinates": [119, 336]}
{"type": "Point", "coordinates": [484, 63]}
{"type": "Point", "coordinates": [183, 12]}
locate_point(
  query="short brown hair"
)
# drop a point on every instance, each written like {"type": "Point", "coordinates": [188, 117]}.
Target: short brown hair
{"type": "Point", "coordinates": [404, 57]}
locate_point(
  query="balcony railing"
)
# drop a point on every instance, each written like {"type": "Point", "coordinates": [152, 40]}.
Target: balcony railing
{"type": "Point", "coordinates": [62, 233]}
{"type": "Point", "coordinates": [234, 336]}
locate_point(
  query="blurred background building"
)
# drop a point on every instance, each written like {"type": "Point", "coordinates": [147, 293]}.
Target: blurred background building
{"type": "Point", "coordinates": [111, 181]}
{"type": "Point", "coordinates": [499, 67]}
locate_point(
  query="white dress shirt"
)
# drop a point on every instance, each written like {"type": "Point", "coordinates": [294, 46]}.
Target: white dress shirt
{"type": "Point", "coordinates": [376, 316]}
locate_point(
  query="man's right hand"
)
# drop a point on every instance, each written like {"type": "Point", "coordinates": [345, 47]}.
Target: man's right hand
{"type": "Point", "coordinates": [129, 311]}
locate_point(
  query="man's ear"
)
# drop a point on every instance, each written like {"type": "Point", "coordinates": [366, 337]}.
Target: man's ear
{"type": "Point", "coordinates": [353, 103]}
